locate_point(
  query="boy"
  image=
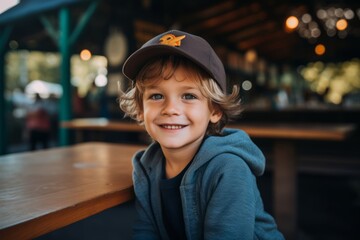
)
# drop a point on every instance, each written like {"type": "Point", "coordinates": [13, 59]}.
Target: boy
{"type": "Point", "coordinates": [197, 180]}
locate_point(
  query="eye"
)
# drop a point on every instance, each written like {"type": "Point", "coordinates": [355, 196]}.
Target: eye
{"type": "Point", "coordinates": [189, 96]}
{"type": "Point", "coordinates": [156, 96]}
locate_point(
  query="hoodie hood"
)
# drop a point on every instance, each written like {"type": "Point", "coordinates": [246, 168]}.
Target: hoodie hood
{"type": "Point", "coordinates": [232, 141]}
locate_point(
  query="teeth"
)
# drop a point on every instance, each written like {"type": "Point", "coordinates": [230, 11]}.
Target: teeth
{"type": "Point", "coordinates": [172, 126]}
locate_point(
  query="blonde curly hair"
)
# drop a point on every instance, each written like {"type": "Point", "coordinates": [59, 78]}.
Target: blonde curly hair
{"type": "Point", "coordinates": [131, 102]}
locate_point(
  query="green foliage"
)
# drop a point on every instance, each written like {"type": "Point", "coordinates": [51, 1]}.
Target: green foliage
{"type": "Point", "coordinates": [22, 67]}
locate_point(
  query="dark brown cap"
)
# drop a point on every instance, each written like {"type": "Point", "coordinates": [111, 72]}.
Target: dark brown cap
{"type": "Point", "coordinates": [180, 43]}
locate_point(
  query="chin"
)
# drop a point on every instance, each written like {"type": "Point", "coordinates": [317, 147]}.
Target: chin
{"type": "Point", "coordinates": [170, 145]}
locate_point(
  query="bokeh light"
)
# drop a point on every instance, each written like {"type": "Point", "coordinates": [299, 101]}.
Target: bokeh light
{"type": "Point", "coordinates": [341, 24]}
{"type": "Point", "coordinates": [85, 55]}
{"type": "Point", "coordinates": [292, 22]}
{"type": "Point", "coordinates": [320, 49]}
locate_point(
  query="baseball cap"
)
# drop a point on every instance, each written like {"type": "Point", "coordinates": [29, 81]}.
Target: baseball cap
{"type": "Point", "coordinates": [175, 42]}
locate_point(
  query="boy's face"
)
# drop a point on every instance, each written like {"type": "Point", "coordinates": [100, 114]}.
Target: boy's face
{"type": "Point", "coordinates": [175, 113]}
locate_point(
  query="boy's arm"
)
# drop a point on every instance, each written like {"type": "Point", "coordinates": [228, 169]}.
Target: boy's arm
{"type": "Point", "coordinates": [235, 209]}
{"type": "Point", "coordinates": [230, 212]}
{"type": "Point", "coordinates": [144, 228]}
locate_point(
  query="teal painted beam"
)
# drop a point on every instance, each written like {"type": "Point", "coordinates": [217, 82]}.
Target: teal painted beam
{"type": "Point", "coordinates": [85, 18]}
{"type": "Point", "coordinates": [65, 50]}
{"type": "Point", "coordinates": [65, 40]}
{"type": "Point", "coordinates": [50, 29]}
{"type": "Point", "coordinates": [4, 38]}
{"type": "Point", "coordinates": [3, 142]}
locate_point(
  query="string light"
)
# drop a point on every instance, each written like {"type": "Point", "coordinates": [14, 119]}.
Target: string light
{"type": "Point", "coordinates": [341, 24]}
{"type": "Point", "coordinates": [85, 55]}
{"type": "Point", "coordinates": [335, 21]}
{"type": "Point", "coordinates": [320, 49]}
{"type": "Point", "coordinates": [292, 22]}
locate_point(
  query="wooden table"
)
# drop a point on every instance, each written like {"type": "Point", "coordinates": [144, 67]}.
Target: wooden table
{"type": "Point", "coordinates": [81, 125]}
{"type": "Point", "coordinates": [328, 132]}
{"type": "Point", "coordinates": [284, 154]}
{"type": "Point", "coordinates": [45, 190]}
{"type": "Point", "coordinates": [102, 124]}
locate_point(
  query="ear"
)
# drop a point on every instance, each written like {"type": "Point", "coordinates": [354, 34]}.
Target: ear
{"type": "Point", "coordinates": [140, 116]}
{"type": "Point", "coordinates": [215, 116]}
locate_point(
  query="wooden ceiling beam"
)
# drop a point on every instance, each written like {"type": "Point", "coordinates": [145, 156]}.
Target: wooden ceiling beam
{"type": "Point", "coordinates": [251, 31]}
{"type": "Point", "coordinates": [209, 12]}
{"type": "Point", "coordinates": [238, 24]}
{"type": "Point", "coordinates": [258, 40]}
{"type": "Point", "coordinates": [226, 18]}
{"type": "Point", "coordinates": [146, 26]}
{"type": "Point", "coordinates": [279, 51]}
{"type": "Point", "coordinates": [145, 30]}
{"type": "Point", "coordinates": [289, 39]}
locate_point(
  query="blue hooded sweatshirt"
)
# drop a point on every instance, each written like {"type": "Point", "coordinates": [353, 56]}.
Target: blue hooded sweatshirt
{"type": "Point", "coordinates": [219, 195]}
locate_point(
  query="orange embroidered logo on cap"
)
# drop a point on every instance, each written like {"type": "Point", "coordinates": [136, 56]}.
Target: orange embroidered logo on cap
{"type": "Point", "coordinates": [171, 40]}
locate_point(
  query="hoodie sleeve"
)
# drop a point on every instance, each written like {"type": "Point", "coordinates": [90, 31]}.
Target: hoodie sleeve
{"type": "Point", "coordinates": [234, 209]}
{"type": "Point", "coordinates": [230, 213]}
{"type": "Point", "coordinates": [144, 227]}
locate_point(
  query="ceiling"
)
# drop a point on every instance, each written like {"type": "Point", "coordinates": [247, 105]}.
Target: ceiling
{"type": "Point", "coordinates": [230, 26]}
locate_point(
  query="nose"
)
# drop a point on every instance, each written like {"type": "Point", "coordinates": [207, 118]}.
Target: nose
{"type": "Point", "coordinates": [171, 107]}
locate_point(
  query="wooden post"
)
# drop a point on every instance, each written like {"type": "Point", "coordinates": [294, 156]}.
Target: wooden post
{"type": "Point", "coordinates": [285, 188]}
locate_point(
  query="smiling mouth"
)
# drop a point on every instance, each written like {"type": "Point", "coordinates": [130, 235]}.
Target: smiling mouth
{"type": "Point", "coordinates": [172, 127]}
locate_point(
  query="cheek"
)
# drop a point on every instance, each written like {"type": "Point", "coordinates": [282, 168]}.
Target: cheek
{"type": "Point", "coordinates": [148, 113]}
{"type": "Point", "coordinates": [200, 113]}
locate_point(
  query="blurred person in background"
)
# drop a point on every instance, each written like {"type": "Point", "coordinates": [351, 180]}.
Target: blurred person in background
{"type": "Point", "coordinates": [38, 124]}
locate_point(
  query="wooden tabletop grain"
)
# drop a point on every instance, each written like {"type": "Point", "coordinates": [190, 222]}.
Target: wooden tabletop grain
{"type": "Point", "coordinates": [44, 190]}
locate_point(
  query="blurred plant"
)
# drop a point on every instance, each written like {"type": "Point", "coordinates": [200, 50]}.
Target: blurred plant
{"type": "Point", "coordinates": [333, 81]}
{"type": "Point", "coordinates": [23, 67]}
